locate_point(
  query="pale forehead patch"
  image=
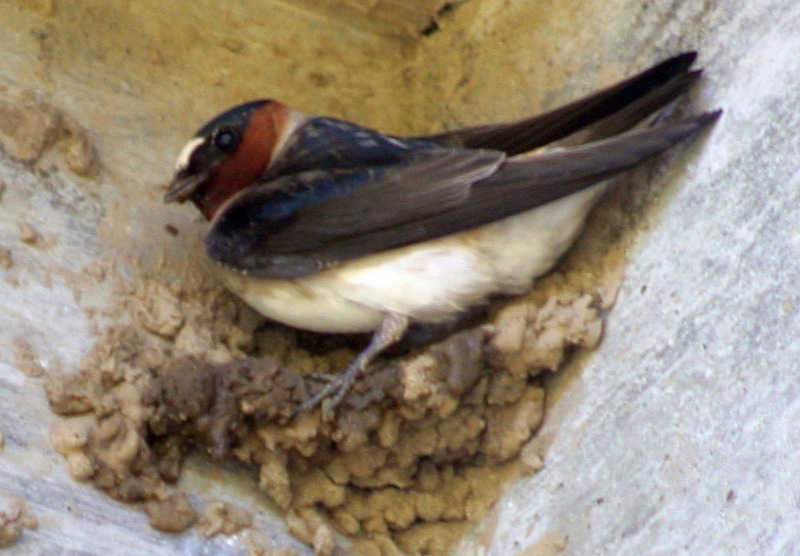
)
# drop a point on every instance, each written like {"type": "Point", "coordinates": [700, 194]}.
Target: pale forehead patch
{"type": "Point", "coordinates": [186, 153]}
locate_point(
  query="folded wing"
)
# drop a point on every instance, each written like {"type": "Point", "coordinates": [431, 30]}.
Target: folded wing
{"type": "Point", "coordinates": [300, 224]}
{"type": "Point", "coordinates": [597, 116]}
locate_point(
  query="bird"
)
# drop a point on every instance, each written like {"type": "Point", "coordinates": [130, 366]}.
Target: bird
{"type": "Point", "coordinates": [329, 226]}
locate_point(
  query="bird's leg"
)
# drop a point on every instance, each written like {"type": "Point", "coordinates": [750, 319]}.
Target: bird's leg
{"type": "Point", "coordinates": [390, 331]}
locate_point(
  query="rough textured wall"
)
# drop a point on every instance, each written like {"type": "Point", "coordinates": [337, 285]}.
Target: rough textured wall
{"type": "Point", "coordinates": [495, 60]}
{"type": "Point", "coordinates": [677, 437]}
{"type": "Point", "coordinates": [400, 18]}
{"type": "Point", "coordinates": [96, 99]}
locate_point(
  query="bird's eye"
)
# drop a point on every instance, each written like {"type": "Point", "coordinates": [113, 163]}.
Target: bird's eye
{"type": "Point", "coordinates": [226, 140]}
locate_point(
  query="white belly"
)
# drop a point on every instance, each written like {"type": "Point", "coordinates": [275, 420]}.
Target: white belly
{"type": "Point", "coordinates": [428, 282]}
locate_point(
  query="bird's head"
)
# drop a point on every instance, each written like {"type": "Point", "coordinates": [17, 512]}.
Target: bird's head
{"type": "Point", "coordinates": [227, 155]}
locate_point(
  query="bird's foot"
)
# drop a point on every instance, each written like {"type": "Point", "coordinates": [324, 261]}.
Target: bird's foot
{"type": "Point", "coordinates": [332, 394]}
{"type": "Point", "coordinates": [322, 377]}
{"type": "Point", "coordinates": [390, 331]}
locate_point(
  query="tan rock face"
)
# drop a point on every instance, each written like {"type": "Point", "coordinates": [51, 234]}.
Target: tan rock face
{"type": "Point", "coordinates": [401, 18]}
{"type": "Point", "coordinates": [112, 89]}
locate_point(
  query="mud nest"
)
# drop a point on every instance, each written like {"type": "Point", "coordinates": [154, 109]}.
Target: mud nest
{"type": "Point", "coordinates": [416, 451]}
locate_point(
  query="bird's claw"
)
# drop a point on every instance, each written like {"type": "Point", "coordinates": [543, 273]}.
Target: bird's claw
{"type": "Point", "coordinates": [329, 397]}
{"type": "Point", "coordinates": [390, 331]}
{"type": "Point", "coordinates": [322, 377]}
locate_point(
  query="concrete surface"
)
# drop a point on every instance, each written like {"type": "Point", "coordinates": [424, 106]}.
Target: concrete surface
{"type": "Point", "coordinates": [678, 436]}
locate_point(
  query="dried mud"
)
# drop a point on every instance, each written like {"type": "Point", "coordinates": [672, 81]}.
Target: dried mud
{"type": "Point", "coordinates": [417, 451]}
{"type": "Point", "coordinates": [14, 518]}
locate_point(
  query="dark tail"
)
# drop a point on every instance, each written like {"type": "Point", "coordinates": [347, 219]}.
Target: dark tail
{"type": "Point", "coordinates": [527, 181]}
{"type": "Point", "coordinates": [600, 115]}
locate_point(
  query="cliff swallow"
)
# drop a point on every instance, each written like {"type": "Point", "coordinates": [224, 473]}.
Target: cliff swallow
{"type": "Point", "coordinates": [332, 227]}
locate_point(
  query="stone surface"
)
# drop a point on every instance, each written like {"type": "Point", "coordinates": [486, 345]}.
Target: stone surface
{"type": "Point", "coordinates": [402, 18]}
{"type": "Point", "coordinates": [678, 436]}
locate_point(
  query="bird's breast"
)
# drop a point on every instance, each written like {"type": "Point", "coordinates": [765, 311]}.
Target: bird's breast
{"type": "Point", "coordinates": [429, 281]}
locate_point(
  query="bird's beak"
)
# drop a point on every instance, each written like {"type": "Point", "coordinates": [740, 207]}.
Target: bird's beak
{"type": "Point", "coordinates": [182, 188]}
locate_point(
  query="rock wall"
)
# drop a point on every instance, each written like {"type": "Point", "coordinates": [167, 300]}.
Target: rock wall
{"type": "Point", "coordinates": [675, 436]}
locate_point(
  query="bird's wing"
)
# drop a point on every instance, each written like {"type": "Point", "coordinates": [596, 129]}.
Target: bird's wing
{"type": "Point", "coordinates": [320, 219]}
{"type": "Point", "coordinates": [280, 227]}
{"type": "Point", "coordinates": [600, 115]}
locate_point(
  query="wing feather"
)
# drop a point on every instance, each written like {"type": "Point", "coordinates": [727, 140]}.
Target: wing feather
{"type": "Point", "coordinates": [600, 115]}
{"type": "Point", "coordinates": [307, 211]}
{"type": "Point", "coordinates": [355, 212]}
